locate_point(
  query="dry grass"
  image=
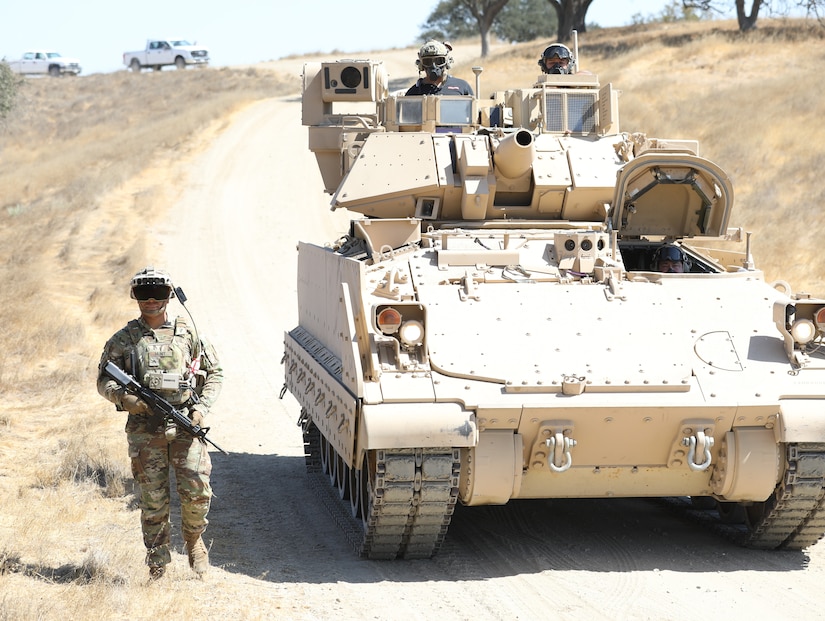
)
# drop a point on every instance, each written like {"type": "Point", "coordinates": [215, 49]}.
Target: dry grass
{"type": "Point", "coordinates": [87, 164]}
{"type": "Point", "coordinates": [70, 146]}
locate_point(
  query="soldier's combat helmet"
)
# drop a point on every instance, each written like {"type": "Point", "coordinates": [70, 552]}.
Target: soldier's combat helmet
{"type": "Point", "coordinates": [151, 282]}
{"type": "Point", "coordinates": [671, 252]}
{"type": "Point", "coordinates": [560, 54]}
{"type": "Point", "coordinates": [435, 58]}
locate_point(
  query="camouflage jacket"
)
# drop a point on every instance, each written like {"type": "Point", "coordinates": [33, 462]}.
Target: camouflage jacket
{"type": "Point", "coordinates": [152, 357]}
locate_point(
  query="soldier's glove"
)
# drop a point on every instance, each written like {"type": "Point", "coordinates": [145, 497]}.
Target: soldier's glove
{"type": "Point", "coordinates": [197, 417]}
{"type": "Point", "coordinates": [134, 405]}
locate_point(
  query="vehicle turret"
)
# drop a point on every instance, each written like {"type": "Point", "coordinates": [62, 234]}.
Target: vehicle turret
{"type": "Point", "coordinates": [548, 153]}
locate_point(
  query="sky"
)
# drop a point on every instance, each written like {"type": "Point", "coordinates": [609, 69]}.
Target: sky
{"type": "Point", "coordinates": [97, 32]}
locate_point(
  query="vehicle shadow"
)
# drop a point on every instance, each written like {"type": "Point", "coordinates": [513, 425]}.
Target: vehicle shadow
{"type": "Point", "coordinates": [266, 522]}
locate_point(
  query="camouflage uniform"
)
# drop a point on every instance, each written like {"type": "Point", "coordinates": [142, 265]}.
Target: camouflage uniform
{"type": "Point", "coordinates": [151, 355]}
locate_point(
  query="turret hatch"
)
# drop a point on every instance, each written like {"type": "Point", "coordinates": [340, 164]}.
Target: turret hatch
{"type": "Point", "coordinates": [671, 194]}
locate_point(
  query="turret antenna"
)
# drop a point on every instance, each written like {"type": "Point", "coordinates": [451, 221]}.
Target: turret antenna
{"type": "Point", "coordinates": [181, 296]}
{"type": "Point", "coordinates": [576, 51]}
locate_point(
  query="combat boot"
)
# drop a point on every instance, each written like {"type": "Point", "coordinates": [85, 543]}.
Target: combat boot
{"type": "Point", "coordinates": [198, 554]}
{"type": "Point", "coordinates": [158, 558]}
{"type": "Point", "coordinates": [156, 571]}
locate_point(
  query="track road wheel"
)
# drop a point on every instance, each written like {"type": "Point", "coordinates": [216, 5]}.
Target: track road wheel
{"type": "Point", "coordinates": [324, 454]}
{"type": "Point", "coordinates": [366, 488]}
{"type": "Point", "coordinates": [354, 492]}
{"type": "Point", "coordinates": [332, 464]}
{"type": "Point", "coordinates": [342, 471]}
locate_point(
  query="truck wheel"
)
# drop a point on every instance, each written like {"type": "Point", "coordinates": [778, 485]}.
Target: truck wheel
{"type": "Point", "coordinates": [180, 63]}
{"type": "Point", "coordinates": [135, 65]}
{"type": "Point", "coordinates": [54, 71]}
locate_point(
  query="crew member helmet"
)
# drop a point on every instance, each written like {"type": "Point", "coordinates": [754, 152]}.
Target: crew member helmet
{"type": "Point", "coordinates": [673, 253]}
{"type": "Point", "coordinates": [151, 282]}
{"type": "Point", "coordinates": [435, 58]}
{"type": "Point", "coordinates": [561, 55]}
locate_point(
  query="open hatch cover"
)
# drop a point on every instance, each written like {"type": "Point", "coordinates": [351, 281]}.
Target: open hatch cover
{"type": "Point", "coordinates": [672, 194]}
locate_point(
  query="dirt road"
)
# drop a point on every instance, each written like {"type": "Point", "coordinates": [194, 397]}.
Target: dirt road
{"type": "Point", "coordinates": [255, 193]}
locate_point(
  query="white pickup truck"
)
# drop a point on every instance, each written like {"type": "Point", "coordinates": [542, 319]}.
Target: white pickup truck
{"type": "Point", "coordinates": [44, 62]}
{"type": "Point", "coordinates": [162, 52]}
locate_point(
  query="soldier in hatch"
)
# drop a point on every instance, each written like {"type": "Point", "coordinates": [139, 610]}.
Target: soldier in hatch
{"type": "Point", "coordinates": [158, 351]}
{"type": "Point", "coordinates": [670, 259]}
{"type": "Point", "coordinates": [557, 59]}
{"type": "Point", "coordinates": [435, 60]}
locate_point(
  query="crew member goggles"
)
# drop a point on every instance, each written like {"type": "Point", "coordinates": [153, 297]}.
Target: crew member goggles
{"type": "Point", "coordinates": [670, 254]}
{"type": "Point", "coordinates": [557, 61]}
{"type": "Point", "coordinates": [155, 292]}
{"type": "Point", "coordinates": [434, 61]}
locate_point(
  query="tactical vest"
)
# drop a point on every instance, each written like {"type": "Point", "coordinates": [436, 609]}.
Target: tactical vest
{"type": "Point", "coordinates": [164, 364]}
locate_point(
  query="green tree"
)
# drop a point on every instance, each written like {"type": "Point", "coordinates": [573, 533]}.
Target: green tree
{"type": "Point", "coordinates": [674, 11]}
{"type": "Point", "coordinates": [525, 20]}
{"type": "Point", "coordinates": [450, 19]}
{"type": "Point", "coordinates": [813, 7]}
{"type": "Point", "coordinates": [9, 84]}
{"type": "Point", "coordinates": [571, 15]}
{"type": "Point", "coordinates": [746, 21]}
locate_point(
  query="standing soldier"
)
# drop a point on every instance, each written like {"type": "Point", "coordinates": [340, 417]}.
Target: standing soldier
{"type": "Point", "coordinates": [169, 358]}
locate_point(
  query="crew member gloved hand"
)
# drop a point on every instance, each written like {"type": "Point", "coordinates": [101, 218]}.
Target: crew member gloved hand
{"type": "Point", "coordinates": [134, 405]}
{"type": "Point", "coordinates": [197, 417]}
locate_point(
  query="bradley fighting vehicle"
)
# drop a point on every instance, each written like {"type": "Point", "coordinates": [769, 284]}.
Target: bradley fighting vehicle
{"type": "Point", "coordinates": [492, 328]}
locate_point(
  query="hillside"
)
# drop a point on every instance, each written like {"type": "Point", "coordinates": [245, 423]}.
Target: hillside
{"type": "Point", "coordinates": [100, 175]}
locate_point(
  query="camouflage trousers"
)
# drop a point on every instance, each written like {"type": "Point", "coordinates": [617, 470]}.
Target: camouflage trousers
{"type": "Point", "coordinates": [152, 455]}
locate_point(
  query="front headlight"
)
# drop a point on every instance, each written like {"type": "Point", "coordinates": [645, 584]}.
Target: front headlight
{"type": "Point", "coordinates": [803, 331]}
{"type": "Point", "coordinates": [403, 321]}
{"type": "Point", "coordinates": [412, 332]}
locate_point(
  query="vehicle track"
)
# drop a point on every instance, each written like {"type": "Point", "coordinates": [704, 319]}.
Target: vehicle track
{"type": "Point", "coordinates": [792, 518]}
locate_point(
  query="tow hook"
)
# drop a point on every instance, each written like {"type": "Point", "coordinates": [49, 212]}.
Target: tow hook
{"type": "Point", "coordinates": [698, 443]}
{"type": "Point", "coordinates": [560, 459]}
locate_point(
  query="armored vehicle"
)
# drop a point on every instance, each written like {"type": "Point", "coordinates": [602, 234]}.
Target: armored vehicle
{"type": "Point", "coordinates": [493, 325]}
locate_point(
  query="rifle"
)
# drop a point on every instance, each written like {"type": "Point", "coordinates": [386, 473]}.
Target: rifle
{"type": "Point", "coordinates": [158, 404]}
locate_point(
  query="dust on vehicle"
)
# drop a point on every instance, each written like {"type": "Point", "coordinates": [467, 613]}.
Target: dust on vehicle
{"type": "Point", "coordinates": [494, 327]}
